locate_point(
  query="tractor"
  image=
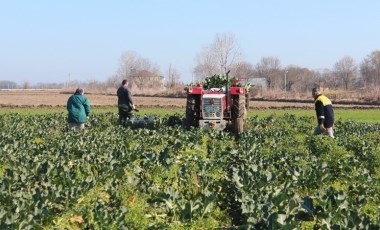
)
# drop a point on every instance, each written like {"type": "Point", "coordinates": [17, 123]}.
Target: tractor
{"type": "Point", "coordinates": [218, 108]}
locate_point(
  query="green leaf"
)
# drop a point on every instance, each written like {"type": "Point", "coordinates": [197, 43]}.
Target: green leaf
{"type": "Point", "coordinates": [281, 219]}
{"type": "Point", "coordinates": [269, 176]}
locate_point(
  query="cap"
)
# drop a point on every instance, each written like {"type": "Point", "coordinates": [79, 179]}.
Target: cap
{"type": "Point", "coordinates": [79, 91]}
{"type": "Point", "coordinates": [315, 90]}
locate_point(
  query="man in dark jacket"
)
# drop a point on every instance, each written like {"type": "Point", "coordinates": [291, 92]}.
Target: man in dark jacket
{"type": "Point", "coordinates": [325, 114]}
{"type": "Point", "coordinates": [79, 109]}
{"type": "Point", "coordinates": [124, 102]}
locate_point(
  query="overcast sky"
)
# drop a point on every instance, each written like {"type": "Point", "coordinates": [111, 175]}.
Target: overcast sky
{"type": "Point", "coordinates": [55, 41]}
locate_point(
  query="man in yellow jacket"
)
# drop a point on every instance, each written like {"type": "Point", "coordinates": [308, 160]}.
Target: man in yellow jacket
{"type": "Point", "coordinates": [325, 113]}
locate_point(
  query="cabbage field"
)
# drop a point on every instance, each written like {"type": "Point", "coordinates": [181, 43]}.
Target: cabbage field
{"type": "Point", "coordinates": [277, 175]}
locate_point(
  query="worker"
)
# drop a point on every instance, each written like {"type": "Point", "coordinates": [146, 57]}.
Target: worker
{"type": "Point", "coordinates": [79, 108]}
{"type": "Point", "coordinates": [324, 112]}
{"type": "Point", "coordinates": [125, 103]}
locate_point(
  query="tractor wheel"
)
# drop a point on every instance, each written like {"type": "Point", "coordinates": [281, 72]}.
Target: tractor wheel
{"type": "Point", "coordinates": [239, 113]}
{"type": "Point", "coordinates": [247, 99]}
{"type": "Point", "coordinates": [239, 126]}
{"type": "Point", "coordinates": [192, 110]}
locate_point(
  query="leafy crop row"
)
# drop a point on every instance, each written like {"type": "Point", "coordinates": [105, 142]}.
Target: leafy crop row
{"type": "Point", "coordinates": [277, 175]}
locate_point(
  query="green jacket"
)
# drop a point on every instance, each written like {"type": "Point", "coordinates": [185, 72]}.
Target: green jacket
{"type": "Point", "coordinates": [79, 108]}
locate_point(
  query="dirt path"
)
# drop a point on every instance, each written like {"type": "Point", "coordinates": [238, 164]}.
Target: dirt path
{"type": "Point", "coordinates": [57, 98]}
{"type": "Point", "coordinates": [11, 98]}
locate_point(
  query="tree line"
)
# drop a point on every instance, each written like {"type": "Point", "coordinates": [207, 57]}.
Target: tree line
{"type": "Point", "coordinates": [225, 54]}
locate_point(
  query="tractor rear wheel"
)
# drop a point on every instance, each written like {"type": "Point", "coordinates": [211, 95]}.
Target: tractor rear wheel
{"type": "Point", "coordinates": [239, 126]}
{"type": "Point", "coordinates": [239, 113]}
{"type": "Point", "coordinates": [247, 99]}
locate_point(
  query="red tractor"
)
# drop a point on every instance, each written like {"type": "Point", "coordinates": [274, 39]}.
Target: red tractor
{"type": "Point", "coordinates": [217, 108]}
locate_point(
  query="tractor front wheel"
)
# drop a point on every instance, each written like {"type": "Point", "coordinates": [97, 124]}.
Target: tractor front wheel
{"type": "Point", "coordinates": [192, 110]}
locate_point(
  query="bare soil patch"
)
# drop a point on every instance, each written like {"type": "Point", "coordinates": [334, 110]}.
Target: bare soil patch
{"type": "Point", "coordinates": [59, 98]}
{"type": "Point", "coordinates": [33, 98]}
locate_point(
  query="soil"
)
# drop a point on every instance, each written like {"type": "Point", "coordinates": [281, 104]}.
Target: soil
{"type": "Point", "coordinates": [18, 98]}
{"type": "Point", "coordinates": [58, 98]}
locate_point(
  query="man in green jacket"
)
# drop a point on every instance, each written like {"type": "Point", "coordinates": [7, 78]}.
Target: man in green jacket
{"type": "Point", "coordinates": [79, 109]}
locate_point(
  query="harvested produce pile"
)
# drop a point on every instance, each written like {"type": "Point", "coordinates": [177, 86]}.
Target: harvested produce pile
{"type": "Point", "coordinates": [220, 81]}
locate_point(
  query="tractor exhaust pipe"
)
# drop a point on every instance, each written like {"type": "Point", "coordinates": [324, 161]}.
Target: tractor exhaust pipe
{"type": "Point", "coordinates": [228, 91]}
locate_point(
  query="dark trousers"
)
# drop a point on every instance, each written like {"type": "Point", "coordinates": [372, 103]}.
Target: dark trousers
{"type": "Point", "coordinates": [125, 113]}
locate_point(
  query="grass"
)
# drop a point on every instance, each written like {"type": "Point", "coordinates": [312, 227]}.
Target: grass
{"type": "Point", "coordinates": [359, 115]}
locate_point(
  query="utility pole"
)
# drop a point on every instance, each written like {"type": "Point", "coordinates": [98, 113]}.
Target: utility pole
{"type": "Point", "coordinates": [285, 79]}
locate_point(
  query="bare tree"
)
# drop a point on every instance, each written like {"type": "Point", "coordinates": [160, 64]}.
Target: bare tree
{"type": "Point", "coordinates": [41, 85]}
{"type": "Point", "coordinates": [173, 77]}
{"type": "Point", "coordinates": [94, 84]}
{"type": "Point", "coordinates": [370, 69]}
{"type": "Point", "coordinates": [205, 64]}
{"type": "Point", "coordinates": [243, 70]}
{"type": "Point", "coordinates": [8, 85]}
{"type": "Point", "coordinates": [131, 63]}
{"type": "Point", "coordinates": [218, 58]}
{"type": "Point", "coordinates": [270, 69]}
{"type": "Point", "coordinates": [300, 79]}
{"type": "Point", "coordinates": [26, 85]}
{"type": "Point", "coordinates": [146, 79]}
{"type": "Point", "coordinates": [227, 52]}
{"type": "Point", "coordinates": [113, 81]}
{"type": "Point", "coordinates": [346, 70]}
